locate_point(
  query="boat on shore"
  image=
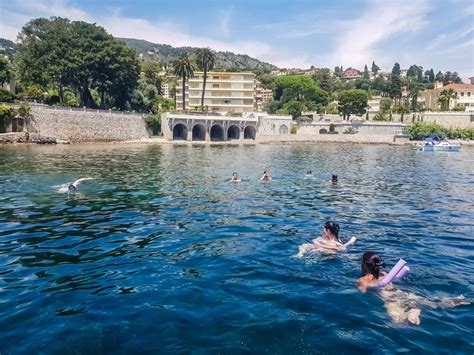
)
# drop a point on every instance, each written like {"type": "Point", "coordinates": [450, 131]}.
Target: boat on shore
{"type": "Point", "coordinates": [437, 143]}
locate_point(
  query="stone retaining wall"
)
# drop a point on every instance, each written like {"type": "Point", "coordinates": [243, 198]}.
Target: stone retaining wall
{"type": "Point", "coordinates": [363, 128]}
{"type": "Point", "coordinates": [450, 119]}
{"type": "Point", "coordinates": [87, 126]}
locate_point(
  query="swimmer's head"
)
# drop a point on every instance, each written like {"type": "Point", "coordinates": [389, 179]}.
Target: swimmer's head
{"type": "Point", "coordinates": [334, 178]}
{"type": "Point", "coordinates": [264, 172]}
{"type": "Point", "coordinates": [371, 264]}
{"type": "Point", "coordinates": [309, 172]}
{"type": "Point", "coordinates": [234, 174]}
{"type": "Point", "coordinates": [71, 187]}
{"type": "Point", "coordinates": [333, 228]}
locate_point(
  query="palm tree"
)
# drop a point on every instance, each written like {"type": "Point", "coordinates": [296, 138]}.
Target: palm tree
{"type": "Point", "coordinates": [445, 97]}
{"type": "Point", "coordinates": [184, 67]}
{"type": "Point", "coordinates": [206, 59]}
{"type": "Point", "coordinates": [414, 88]}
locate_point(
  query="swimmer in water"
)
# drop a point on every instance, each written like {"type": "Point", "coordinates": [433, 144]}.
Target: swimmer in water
{"type": "Point", "coordinates": [334, 179]}
{"type": "Point", "coordinates": [266, 176]}
{"type": "Point", "coordinates": [72, 186]}
{"type": "Point", "coordinates": [309, 173]}
{"type": "Point", "coordinates": [235, 178]}
{"type": "Point", "coordinates": [402, 307]}
{"type": "Point", "coordinates": [328, 242]}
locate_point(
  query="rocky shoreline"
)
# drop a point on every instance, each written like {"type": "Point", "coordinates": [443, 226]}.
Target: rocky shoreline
{"type": "Point", "coordinates": [25, 137]}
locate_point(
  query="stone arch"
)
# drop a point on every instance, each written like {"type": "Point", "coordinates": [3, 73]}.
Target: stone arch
{"type": "Point", "coordinates": [283, 129]}
{"type": "Point", "coordinates": [199, 132]}
{"type": "Point", "coordinates": [180, 132]}
{"type": "Point", "coordinates": [250, 132]}
{"type": "Point", "coordinates": [217, 133]}
{"type": "Point", "coordinates": [323, 131]}
{"type": "Point", "coordinates": [233, 132]}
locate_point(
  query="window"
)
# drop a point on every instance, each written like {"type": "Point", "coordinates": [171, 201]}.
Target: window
{"type": "Point", "coordinates": [468, 93]}
{"type": "Point", "coordinates": [215, 86]}
{"type": "Point", "coordinates": [215, 77]}
{"type": "Point", "coordinates": [462, 93]}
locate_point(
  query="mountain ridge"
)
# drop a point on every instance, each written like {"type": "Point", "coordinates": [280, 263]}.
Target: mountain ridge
{"type": "Point", "coordinates": [166, 54]}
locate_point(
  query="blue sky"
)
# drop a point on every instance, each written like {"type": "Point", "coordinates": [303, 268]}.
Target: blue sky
{"type": "Point", "coordinates": [436, 34]}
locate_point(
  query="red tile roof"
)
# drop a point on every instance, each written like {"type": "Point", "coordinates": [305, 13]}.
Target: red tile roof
{"type": "Point", "coordinates": [458, 86]}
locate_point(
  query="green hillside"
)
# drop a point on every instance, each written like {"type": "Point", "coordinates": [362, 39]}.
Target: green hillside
{"type": "Point", "coordinates": [7, 47]}
{"type": "Point", "coordinates": [166, 54]}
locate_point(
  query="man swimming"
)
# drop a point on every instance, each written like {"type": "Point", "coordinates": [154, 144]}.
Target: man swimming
{"type": "Point", "coordinates": [266, 176]}
{"type": "Point", "coordinates": [235, 178]}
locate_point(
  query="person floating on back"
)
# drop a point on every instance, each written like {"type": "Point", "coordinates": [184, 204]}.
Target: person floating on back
{"type": "Point", "coordinates": [235, 178]}
{"type": "Point", "coordinates": [266, 176]}
{"type": "Point", "coordinates": [72, 186]}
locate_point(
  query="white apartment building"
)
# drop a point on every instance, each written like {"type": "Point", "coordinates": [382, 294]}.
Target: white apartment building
{"type": "Point", "coordinates": [165, 89]}
{"type": "Point", "coordinates": [225, 92]}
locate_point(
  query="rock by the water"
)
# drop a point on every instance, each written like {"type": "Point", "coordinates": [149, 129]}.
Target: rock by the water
{"type": "Point", "coordinates": [11, 138]}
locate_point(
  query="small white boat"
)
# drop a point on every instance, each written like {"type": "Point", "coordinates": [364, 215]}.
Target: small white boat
{"type": "Point", "coordinates": [437, 143]}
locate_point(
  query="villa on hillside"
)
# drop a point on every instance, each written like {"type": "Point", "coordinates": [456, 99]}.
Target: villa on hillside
{"type": "Point", "coordinates": [225, 92]}
{"type": "Point", "coordinates": [351, 73]}
{"type": "Point", "coordinates": [465, 94]}
{"type": "Point", "coordinates": [262, 97]}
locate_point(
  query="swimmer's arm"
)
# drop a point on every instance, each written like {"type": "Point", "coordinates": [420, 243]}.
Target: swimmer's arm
{"type": "Point", "coordinates": [78, 181]}
{"type": "Point", "coordinates": [362, 286]}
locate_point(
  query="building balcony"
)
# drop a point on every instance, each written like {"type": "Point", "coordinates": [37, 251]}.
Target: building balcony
{"type": "Point", "coordinates": [210, 88]}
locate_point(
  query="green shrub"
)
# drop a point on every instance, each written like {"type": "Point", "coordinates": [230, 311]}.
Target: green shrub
{"type": "Point", "coordinates": [350, 130]}
{"type": "Point", "coordinates": [332, 127]}
{"type": "Point", "coordinates": [459, 108]}
{"type": "Point", "coordinates": [293, 130]}
{"type": "Point", "coordinates": [6, 114]}
{"type": "Point", "coordinates": [153, 123]}
{"type": "Point", "coordinates": [6, 96]}
{"type": "Point", "coordinates": [24, 111]}
{"type": "Point", "coordinates": [420, 130]}
{"type": "Point", "coordinates": [381, 116]}
{"type": "Point", "coordinates": [32, 92]}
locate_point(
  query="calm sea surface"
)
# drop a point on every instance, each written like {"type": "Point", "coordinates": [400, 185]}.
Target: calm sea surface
{"type": "Point", "coordinates": [161, 254]}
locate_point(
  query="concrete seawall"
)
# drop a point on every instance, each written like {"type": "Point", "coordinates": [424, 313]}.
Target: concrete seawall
{"type": "Point", "coordinates": [87, 126]}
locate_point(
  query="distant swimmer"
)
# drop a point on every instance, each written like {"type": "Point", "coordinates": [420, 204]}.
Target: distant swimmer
{"type": "Point", "coordinates": [235, 178]}
{"type": "Point", "coordinates": [328, 242]}
{"type": "Point", "coordinates": [266, 176]}
{"type": "Point", "coordinates": [72, 186]}
{"type": "Point", "coordinates": [309, 173]}
{"type": "Point", "coordinates": [334, 179]}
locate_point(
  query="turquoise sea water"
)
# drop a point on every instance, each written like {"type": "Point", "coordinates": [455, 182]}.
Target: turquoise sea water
{"type": "Point", "coordinates": [161, 254]}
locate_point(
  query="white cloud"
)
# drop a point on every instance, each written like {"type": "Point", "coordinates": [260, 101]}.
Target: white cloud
{"type": "Point", "coordinates": [383, 19]}
{"type": "Point", "coordinates": [223, 21]}
{"type": "Point", "coordinates": [160, 31]}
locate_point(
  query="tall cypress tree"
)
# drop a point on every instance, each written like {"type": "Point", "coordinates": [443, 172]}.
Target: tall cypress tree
{"type": "Point", "coordinates": [395, 83]}
{"type": "Point", "coordinates": [366, 72]}
{"type": "Point", "coordinates": [375, 68]}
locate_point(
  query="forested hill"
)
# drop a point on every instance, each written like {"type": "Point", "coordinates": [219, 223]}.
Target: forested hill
{"type": "Point", "coordinates": [166, 54]}
{"type": "Point", "coordinates": [7, 47]}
